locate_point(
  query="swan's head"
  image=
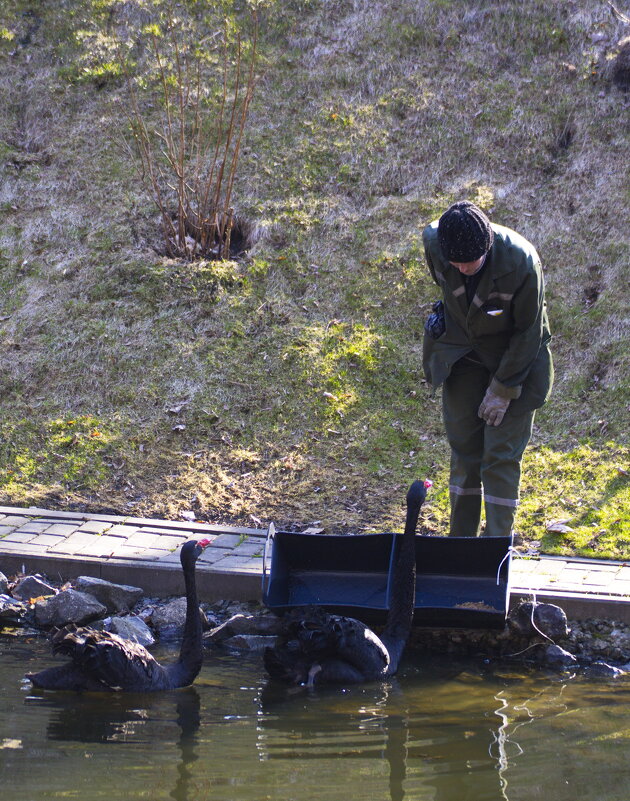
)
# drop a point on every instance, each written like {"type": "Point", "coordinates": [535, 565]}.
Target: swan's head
{"type": "Point", "coordinates": [418, 492]}
{"type": "Point", "coordinates": [192, 550]}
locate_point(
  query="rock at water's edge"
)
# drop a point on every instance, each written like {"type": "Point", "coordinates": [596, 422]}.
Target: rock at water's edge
{"type": "Point", "coordinates": [68, 606]}
{"type": "Point", "coordinates": [116, 597]}
{"type": "Point", "coordinates": [558, 657]}
{"type": "Point", "coordinates": [132, 628]}
{"type": "Point", "coordinates": [32, 587]}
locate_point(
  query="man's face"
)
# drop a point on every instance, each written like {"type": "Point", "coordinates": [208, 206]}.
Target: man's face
{"type": "Point", "coordinates": [468, 267]}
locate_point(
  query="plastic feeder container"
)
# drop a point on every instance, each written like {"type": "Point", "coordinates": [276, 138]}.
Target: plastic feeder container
{"type": "Point", "coordinates": [461, 582]}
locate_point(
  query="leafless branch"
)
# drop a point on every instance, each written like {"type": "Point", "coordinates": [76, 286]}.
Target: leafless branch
{"type": "Point", "coordinates": [192, 157]}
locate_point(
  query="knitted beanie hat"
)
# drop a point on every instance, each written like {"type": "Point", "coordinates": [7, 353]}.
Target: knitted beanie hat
{"type": "Point", "coordinates": [464, 232]}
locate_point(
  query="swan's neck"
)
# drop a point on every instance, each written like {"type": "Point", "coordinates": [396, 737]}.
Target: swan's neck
{"type": "Point", "coordinates": [400, 614]}
{"type": "Point", "coordinates": [191, 653]}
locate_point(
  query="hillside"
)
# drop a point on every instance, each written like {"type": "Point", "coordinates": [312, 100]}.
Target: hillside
{"type": "Point", "coordinates": [287, 385]}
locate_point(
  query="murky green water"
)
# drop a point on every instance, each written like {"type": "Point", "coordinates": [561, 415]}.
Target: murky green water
{"type": "Point", "coordinates": [442, 731]}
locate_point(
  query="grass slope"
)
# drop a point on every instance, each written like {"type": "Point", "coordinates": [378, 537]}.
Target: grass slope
{"type": "Point", "coordinates": [288, 385]}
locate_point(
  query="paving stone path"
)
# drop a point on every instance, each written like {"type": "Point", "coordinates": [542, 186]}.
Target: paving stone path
{"type": "Point", "coordinates": [145, 552]}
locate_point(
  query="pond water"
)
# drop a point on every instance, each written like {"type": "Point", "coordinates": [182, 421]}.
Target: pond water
{"type": "Point", "coordinates": [441, 731]}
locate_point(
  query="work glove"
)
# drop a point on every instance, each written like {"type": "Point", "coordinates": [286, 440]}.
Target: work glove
{"type": "Point", "coordinates": [493, 408]}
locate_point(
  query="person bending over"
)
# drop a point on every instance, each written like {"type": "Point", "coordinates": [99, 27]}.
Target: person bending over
{"type": "Point", "coordinates": [487, 345]}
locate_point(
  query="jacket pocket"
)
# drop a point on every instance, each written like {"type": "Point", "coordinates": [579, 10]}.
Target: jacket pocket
{"type": "Point", "coordinates": [435, 325]}
{"type": "Point", "coordinates": [537, 386]}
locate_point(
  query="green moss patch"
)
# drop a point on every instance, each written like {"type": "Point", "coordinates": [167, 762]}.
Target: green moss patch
{"type": "Point", "coordinates": [577, 501]}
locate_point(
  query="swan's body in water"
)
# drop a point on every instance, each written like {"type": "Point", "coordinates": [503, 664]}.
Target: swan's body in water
{"type": "Point", "coordinates": [320, 648]}
{"type": "Point", "coordinates": [103, 661]}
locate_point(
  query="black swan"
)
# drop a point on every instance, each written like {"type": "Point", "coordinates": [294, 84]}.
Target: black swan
{"type": "Point", "coordinates": [103, 661]}
{"type": "Point", "coordinates": [320, 648]}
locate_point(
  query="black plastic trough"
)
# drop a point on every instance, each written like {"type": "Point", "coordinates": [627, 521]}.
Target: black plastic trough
{"type": "Point", "coordinates": [461, 582]}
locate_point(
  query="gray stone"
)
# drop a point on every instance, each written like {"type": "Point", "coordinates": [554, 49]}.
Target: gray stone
{"type": "Point", "coordinates": [621, 637]}
{"type": "Point", "coordinates": [211, 621]}
{"type": "Point", "coordinates": [172, 613]}
{"type": "Point", "coordinates": [4, 583]}
{"type": "Point", "coordinates": [68, 606]}
{"type": "Point", "coordinates": [11, 611]}
{"type": "Point", "coordinates": [234, 608]}
{"type": "Point", "coordinates": [244, 625]}
{"type": "Point", "coordinates": [116, 597]}
{"type": "Point", "coordinates": [170, 632]}
{"type": "Point", "coordinates": [530, 619]}
{"type": "Point", "coordinates": [131, 628]}
{"type": "Point", "coordinates": [558, 657]}
{"type": "Point", "coordinates": [256, 643]}
{"type": "Point", "coordinates": [32, 587]}
{"type": "Point", "coordinates": [168, 619]}
{"type": "Point", "coordinates": [602, 670]}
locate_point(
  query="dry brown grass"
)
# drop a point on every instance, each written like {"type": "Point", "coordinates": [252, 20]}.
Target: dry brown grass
{"type": "Point", "coordinates": [369, 118]}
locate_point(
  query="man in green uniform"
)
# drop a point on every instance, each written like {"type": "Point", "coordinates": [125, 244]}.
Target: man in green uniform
{"type": "Point", "coordinates": [491, 354]}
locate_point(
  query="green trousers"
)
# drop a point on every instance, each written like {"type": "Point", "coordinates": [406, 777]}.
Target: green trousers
{"type": "Point", "coordinates": [485, 460]}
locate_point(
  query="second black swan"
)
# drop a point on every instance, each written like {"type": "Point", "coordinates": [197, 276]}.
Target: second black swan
{"type": "Point", "coordinates": [101, 661]}
{"type": "Point", "coordinates": [320, 648]}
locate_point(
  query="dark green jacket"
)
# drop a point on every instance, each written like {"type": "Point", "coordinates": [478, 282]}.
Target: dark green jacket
{"type": "Point", "coordinates": [506, 323]}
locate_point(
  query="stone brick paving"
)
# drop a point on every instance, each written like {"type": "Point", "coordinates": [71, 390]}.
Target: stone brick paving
{"type": "Point", "coordinates": [144, 552]}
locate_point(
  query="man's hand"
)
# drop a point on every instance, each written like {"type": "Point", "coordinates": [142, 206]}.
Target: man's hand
{"type": "Point", "coordinates": [493, 408]}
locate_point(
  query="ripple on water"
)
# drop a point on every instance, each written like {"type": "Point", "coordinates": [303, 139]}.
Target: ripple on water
{"type": "Point", "coordinates": [441, 731]}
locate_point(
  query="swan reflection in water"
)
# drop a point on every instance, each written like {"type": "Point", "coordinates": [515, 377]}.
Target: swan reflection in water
{"type": "Point", "coordinates": [454, 736]}
{"type": "Point", "coordinates": [449, 753]}
{"type": "Point", "coordinates": [375, 731]}
{"type": "Point", "coordinates": [188, 720]}
{"type": "Point", "coordinates": [122, 718]}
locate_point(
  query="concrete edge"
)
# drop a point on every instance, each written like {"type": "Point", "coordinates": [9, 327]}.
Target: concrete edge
{"type": "Point", "coordinates": [576, 606]}
{"type": "Point", "coordinates": [155, 579]}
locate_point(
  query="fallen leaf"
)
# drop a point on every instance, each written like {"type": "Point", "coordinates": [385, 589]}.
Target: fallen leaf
{"type": "Point", "coordinates": [39, 598]}
{"type": "Point", "coordinates": [559, 527]}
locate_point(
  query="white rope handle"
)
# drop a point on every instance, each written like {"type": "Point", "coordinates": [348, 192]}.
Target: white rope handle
{"type": "Point", "coordinates": [270, 535]}
{"type": "Point", "coordinates": [509, 551]}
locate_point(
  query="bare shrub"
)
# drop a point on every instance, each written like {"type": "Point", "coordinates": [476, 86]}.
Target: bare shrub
{"type": "Point", "coordinates": [187, 153]}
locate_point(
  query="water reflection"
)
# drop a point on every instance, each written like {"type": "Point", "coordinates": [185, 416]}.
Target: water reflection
{"type": "Point", "coordinates": [92, 718]}
{"type": "Point", "coordinates": [439, 732]}
{"type": "Point", "coordinates": [442, 748]}
{"type": "Point", "coordinates": [188, 720]}
{"type": "Point", "coordinates": [119, 719]}
{"type": "Point", "coordinates": [381, 727]}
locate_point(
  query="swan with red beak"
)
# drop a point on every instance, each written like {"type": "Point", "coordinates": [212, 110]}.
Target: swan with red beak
{"type": "Point", "coordinates": [102, 661]}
